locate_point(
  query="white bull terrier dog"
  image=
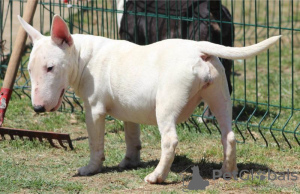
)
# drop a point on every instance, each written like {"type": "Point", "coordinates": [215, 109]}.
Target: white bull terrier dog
{"type": "Point", "coordinates": [159, 84]}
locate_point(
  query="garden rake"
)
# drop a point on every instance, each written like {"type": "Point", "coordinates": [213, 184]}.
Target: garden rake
{"type": "Point", "coordinates": [8, 84]}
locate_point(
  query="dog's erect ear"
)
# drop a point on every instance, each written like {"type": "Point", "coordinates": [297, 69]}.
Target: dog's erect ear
{"type": "Point", "coordinates": [33, 34]}
{"type": "Point", "coordinates": [60, 32]}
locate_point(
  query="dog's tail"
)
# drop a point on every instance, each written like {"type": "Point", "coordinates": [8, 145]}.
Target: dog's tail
{"type": "Point", "coordinates": [237, 52]}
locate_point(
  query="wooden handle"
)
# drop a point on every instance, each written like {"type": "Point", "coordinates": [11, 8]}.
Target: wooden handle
{"type": "Point", "coordinates": [16, 55]}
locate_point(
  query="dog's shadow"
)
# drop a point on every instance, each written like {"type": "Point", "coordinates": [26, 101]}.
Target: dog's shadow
{"type": "Point", "coordinates": [183, 164]}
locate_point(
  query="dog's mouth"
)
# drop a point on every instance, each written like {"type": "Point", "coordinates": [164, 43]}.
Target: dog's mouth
{"type": "Point", "coordinates": [59, 101]}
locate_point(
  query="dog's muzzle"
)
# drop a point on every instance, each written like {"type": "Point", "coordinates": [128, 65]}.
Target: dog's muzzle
{"type": "Point", "coordinates": [39, 108]}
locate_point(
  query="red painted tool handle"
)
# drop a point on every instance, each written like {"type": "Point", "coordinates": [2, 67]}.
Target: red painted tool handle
{"type": "Point", "coordinates": [5, 95]}
{"type": "Point", "coordinates": [15, 59]}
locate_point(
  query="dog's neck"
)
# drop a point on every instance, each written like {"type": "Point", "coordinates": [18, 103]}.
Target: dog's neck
{"type": "Point", "coordinates": [85, 47]}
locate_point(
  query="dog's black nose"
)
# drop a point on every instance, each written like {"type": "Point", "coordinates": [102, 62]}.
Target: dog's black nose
{"type": "Point", "coordinates": [39, 108]}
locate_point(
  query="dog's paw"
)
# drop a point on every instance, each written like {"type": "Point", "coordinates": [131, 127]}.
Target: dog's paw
{"type": "Point", "coordinates": [89, 170]}
{"type": "Point", "coordinates": [229, 171]}
{"type": "Point", "coordinates": [229, 167]}
{"type": "Point", "coordinates": [154, 178]}
{"type": "Point", "coordinates": [129, 163]}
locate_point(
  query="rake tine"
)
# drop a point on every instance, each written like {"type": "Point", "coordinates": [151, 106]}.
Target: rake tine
{"type": "Point", "coordinates": [11, 137]}
{"type": "Point", "coordinates": [51, 142]}
{"type": "Point", "coordinates": [40, 139]}
{"type": "Point", "coordinates": [61, 144]}
{"type": "Point", "coordinates": [70, 142]}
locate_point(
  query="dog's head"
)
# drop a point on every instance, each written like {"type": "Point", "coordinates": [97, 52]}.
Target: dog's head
{"type": "Point", "coordinates": [48, 64]}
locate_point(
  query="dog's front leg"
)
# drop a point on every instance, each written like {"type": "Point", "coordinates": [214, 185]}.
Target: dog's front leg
{"type": "Point", "coordinates": [133, 145]}
{"type": "Point", "coordinates": [95, 122]}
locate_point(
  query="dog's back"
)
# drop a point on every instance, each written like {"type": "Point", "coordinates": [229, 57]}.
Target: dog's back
{"type": "Point", "coordinates": [146, 30]}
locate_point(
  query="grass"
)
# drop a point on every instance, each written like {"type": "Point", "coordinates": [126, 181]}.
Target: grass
{"type": "Point", "coordinates": [27, 166]}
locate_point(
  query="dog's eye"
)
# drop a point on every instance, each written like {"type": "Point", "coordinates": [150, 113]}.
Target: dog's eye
{"type": "Point", "coordinates": [49, 69]}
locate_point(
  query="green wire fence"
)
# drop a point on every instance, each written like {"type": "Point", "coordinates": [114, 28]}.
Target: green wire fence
{"type": "Point", "coordinates": [266, 107]}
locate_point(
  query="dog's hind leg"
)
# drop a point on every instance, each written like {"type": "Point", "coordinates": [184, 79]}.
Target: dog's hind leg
{"type": "Point", "coordinates": [170, 102]}
{"type": "Point", "coordinates": [133, 145]}
{"type": "Point", "coordinates": [169, 142]}
{"type": "Point", "coordinates": [218, 98]}
{"type": "Point", "coordinates": [95, 122]}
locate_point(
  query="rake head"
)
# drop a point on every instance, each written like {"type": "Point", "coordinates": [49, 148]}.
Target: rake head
{"type": "Point", "coordinates": [40, 135]}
